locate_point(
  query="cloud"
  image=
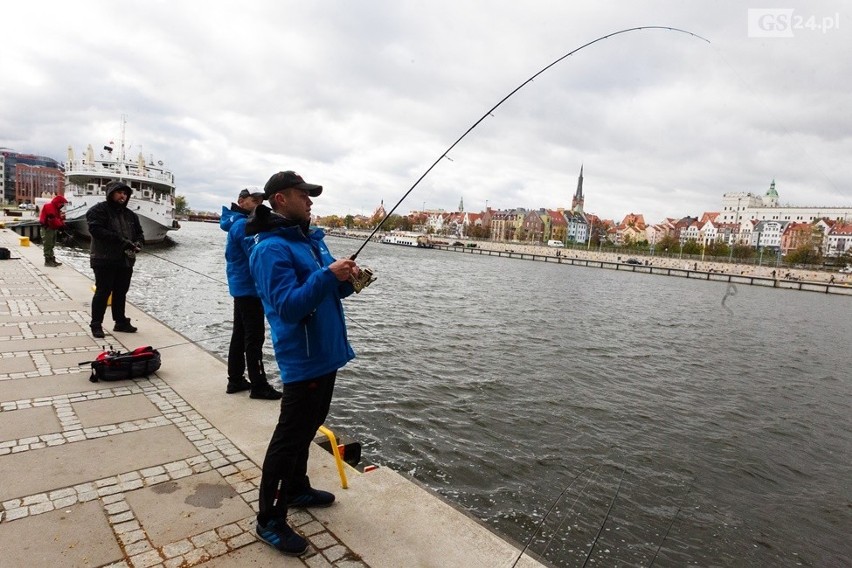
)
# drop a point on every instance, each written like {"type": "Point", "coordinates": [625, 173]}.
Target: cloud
{"type": "Point", "coordinates": [363, 98]}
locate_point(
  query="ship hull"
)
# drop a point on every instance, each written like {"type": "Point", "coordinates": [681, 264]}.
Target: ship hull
{"type": "Point", "coordinates": [152, 186]}
{"type": "Point", "coordinates": [153, 231]}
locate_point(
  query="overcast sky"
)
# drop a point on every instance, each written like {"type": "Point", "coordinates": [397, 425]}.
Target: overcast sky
{"type": "Point", "coordinates": [362, 97]}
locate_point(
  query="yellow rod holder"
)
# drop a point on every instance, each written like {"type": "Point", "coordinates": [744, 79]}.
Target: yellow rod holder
{"type": "Point", "coordinates": [336, 451]}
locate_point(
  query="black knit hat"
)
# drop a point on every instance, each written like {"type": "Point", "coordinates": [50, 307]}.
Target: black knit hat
{"type": "Point", "coordinates": [286, 180]}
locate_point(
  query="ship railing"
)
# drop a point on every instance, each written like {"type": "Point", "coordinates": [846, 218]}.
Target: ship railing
{"type": "Point", "coordinates": [117, 168]}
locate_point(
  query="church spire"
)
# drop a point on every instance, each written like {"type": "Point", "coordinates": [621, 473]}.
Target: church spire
{"type": "Point", "coordinates": [577, 201]}
{"type": "Point", "coordinates": [461, 205]}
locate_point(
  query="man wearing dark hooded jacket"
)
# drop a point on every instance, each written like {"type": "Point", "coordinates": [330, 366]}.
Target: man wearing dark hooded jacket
{"type": "Point", "coordinates": [51, 220]}
{"type": "Point", "coordinates": [301, 286]}
{"type": "Point", "coordinates": [116, 238]}
{"type": "Point", "coordinates": [249, 332]}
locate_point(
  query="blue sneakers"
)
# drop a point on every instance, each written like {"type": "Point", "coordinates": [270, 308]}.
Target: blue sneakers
{"type": "Point", "coordinates": [278, 534]}
{"type": "Point", "coordinates": [312, 498]}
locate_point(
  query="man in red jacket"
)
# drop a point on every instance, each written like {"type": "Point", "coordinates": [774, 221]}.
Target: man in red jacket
{"type": "Point", "coordinates": [52, 219]}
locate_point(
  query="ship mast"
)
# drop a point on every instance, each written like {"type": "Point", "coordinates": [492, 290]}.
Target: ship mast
{"type": "Point", "coordinates": [123, 124]}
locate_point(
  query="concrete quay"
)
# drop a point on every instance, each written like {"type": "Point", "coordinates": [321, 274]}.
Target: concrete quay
{"type": "Point", "coordinates": [163, 471]}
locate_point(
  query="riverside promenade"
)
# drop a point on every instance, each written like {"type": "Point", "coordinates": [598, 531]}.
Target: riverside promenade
{"type": "Point", "coordinates": [163, 471]}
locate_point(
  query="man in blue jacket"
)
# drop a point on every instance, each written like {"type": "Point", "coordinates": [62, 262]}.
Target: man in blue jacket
{"type": "Point", "coordinates": [301, 286]}
{"type": "Point", "coordinates": [249, 331]}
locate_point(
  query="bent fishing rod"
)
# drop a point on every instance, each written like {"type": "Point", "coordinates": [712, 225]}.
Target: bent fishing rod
{"type": "Point", "coordinates": [504, 99]}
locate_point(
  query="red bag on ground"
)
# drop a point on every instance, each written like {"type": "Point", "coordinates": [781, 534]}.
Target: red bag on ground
{"type": "Point", "coordinates": [117, 366]}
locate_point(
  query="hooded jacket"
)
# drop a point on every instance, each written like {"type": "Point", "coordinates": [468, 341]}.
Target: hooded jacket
{"type": "Point", "coordinates": [301, 296]}
{"type": "Point", "coordinates": [240, 282]}
{"type": "Point", "coordinates": [51, 214]}
{"type": "Point", "coordinates": [114, 229]}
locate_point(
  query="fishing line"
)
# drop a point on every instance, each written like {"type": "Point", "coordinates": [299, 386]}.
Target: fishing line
{"type": "Point", "coordinates": [731, 291]}
{"type": "Point", "coordinates": [349, 317]}
{"type": "Point", "coordinates": [665, 536]}
{"type": "Point", "coordinates": [606, 518]}
{"type": "Point", "coordinates": [222, 282]}
{"type": "Point", "coordinates": [504, 99]}
{"type": "Point", "coordinates": [570, 509]}
{"type": "Point", "coordinates": [550, 510]}
{"type": "Point", "coordinates": [185, 267]}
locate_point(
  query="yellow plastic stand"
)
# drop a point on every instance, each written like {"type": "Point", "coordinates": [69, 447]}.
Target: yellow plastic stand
{"type": "Point", "coordinates": [336, 451]}
{"type": "Point", "coordinates": [25, 241]}
{"type": "Point", "coordinates": [109, 300]}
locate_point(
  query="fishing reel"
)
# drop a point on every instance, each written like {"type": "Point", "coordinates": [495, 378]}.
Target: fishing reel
{"type": "Point", "coordinates": [365, 278]}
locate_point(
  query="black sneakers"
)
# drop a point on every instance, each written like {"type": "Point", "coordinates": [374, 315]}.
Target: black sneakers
{"type": "Point", "coordinates": [125, 327]}
{"type": "Point", "coordinates": [237, 385]}
{"type": "Point", "coordinates": [97, 330]}
{"type": "Point", "coordinates": [277, 534]}
{"type": "Point", "coordinates": [312, 498]}
{"type": "Point", "coordinates": [264, 391]}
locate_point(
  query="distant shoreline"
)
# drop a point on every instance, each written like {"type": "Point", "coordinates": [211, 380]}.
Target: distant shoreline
{"type": "Point", "coordinates": [686, 264]}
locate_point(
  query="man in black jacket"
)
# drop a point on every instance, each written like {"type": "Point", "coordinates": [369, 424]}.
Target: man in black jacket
{"type": "Point", "coordinates": [116, 238]}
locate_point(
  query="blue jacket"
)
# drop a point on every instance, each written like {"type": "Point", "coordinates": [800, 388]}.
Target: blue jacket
{"type": "Point", "coordinates": [301, 296]}
{"type": "Point", "coordinates": [240, 282]}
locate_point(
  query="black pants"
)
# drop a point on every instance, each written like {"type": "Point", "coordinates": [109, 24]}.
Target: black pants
{"type": "Point", "coordinates": [246, 349]}
{"type": "Point", "coordinates": [304, 408]}
{"type": "Point", "coordinates": [113, 280]}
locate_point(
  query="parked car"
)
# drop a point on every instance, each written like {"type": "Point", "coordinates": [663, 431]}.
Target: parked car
{"type": "Point", "coordinates": [633, 261]}
{"type": "Point", "coordinates": [26, 206]}
{"type": "Point", "coordinates": [555, 243]}
{"type": "Point", "coordinates": [846, 270]}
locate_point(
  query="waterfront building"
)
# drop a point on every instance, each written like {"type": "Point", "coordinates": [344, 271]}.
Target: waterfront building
{"type": "Point", "coordinates": [631, 229]}
{"type": "Point", "coordinates": [532, 227]}
{"type": "Point", "coordinates": [838, 239]}
{"type": "Point", "coordinates": [23, 177]}
{"type": "Point", "coordinates": [741, 207]}
{"type": "Point", "coordinates": [577, 227]}
{"type": "Point", "coordinates": [796, 235]}
{"type": "Point", "coordinates": [769, 234]}
{"type": "Point", "coordinates": [558, 226]}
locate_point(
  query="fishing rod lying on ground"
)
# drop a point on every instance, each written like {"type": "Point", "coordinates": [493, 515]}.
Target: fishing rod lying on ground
{"type": "Point", "coordinates": [492, 109]}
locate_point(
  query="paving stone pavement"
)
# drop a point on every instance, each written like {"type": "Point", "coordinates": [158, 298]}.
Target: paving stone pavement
{"type": "Point", "coordinates": [89, 469]}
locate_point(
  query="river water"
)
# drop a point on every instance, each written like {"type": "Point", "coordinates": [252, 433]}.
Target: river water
{"type": "Point", "coordinates": [649, 420]}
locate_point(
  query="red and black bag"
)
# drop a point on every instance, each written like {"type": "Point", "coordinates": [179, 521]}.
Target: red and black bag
{"type": "Point", "coordinates": [117, 366]}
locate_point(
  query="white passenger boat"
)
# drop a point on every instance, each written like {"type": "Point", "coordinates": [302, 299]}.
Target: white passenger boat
{"type": "Point", "coordinates": [153, 198]}
{"type": "Point", "coordinates": [409, 240]}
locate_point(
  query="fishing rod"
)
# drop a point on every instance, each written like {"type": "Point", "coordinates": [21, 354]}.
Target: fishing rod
{"type": "Point", "coordinates": [109, 347]}
{"type": "Point", "coordinates": [504, 99]}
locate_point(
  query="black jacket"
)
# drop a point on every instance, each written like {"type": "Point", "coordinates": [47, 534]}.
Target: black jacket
{"type": "Point", "coordinates": [115, 231]}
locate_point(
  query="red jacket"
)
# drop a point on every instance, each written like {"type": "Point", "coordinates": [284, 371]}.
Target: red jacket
{"type": "Point", "coordinates": [51, 215]}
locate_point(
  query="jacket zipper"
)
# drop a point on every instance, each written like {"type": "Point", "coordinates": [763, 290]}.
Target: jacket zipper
{"type": "Point", "coordinates": [307, 342]}
{"type": "Point", "coordinates": [317, 260]}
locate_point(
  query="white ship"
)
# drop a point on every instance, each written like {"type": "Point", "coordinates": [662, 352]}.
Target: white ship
{"type": "Point", "coordinates": [153, 198]}
{"type": "Point", "coordinates": [407, 239]}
